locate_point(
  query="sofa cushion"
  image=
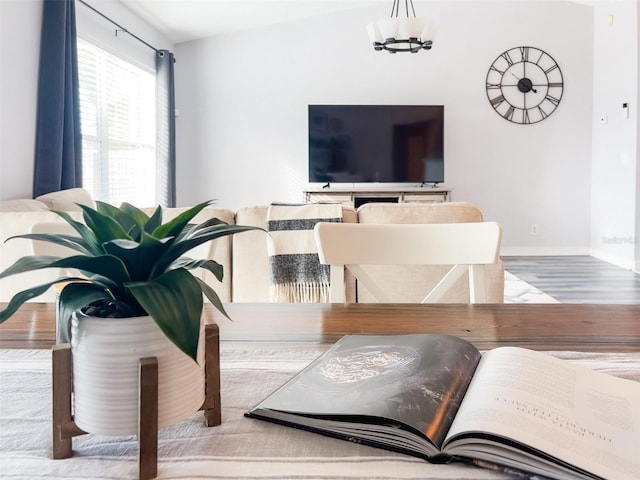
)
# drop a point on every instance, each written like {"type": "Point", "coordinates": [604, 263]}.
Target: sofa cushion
{"type": "Point", "coordinates": [67, 200]}
{"type": "Point", "coordinates": [441, 212]}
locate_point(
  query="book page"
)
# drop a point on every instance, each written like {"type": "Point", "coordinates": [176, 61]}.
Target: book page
{"type": "Point", "coordinates": [417, 380]}
{"type": "Point", "coordinates": [585, 418]}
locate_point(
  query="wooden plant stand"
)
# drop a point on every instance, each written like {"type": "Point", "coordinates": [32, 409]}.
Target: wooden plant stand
{"type": "Point", "coordinates": [64, 427]}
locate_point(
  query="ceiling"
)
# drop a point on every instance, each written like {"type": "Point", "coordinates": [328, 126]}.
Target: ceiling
{"type": "Point", "coordinates": [185, 20]}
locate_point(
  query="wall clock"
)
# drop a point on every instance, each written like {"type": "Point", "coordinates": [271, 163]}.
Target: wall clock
{"type": "Point", "coordinates": [524, 85]}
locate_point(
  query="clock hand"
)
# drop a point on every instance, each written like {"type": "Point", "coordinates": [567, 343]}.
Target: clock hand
{"type": "Point", "coordinates": [524, 75]}
{"type": "Point", "coordinates": [524, 83]}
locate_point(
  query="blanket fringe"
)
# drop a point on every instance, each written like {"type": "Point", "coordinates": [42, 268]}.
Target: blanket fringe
{"type": "Point", "coordinates": [306, 292]}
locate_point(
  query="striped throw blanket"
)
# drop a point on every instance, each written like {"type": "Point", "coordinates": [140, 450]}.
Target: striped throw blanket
{"type": "Point", "coordinates": [296, 273]}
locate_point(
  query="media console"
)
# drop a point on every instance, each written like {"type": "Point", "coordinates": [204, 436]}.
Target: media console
{"type": "Point", "coordinates": [354, 197]}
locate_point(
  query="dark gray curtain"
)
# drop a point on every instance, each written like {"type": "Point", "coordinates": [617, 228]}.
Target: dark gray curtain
{"type": "Point", "coordinates": [166, 130]}
{"type": "Point", "coordinates": [58, 155]}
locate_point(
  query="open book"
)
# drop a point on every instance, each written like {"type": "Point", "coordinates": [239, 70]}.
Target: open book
{"type": "Point", "coordinates": [437, 397]}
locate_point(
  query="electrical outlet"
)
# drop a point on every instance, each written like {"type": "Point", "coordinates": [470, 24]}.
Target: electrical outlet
{"type": "Point", "coordinates": [534, 229]}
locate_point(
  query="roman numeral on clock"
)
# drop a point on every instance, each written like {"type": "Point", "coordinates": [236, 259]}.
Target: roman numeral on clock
{"type": "Point", "coordinates": [553, 100]}
{"type": "Point", "coordinates": [497, 101]}
{"type": "Point", "coordinates": [507, 58]}
{"type": "Point", "coordinates": [543, 114]}
{"type": "Point", "coordinates": [509, 113]}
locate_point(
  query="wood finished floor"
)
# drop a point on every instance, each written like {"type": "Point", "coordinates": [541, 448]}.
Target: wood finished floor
{"type": "Point", "coordinates": [577, 279]}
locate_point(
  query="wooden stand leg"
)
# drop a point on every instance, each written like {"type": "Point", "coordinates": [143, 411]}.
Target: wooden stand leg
{"type": "Point", "coordinates": [212, 407]}
{"type": "Point", "coordinates": [64, 428]}
{"type": "Point", "coordinates": [148, 419]}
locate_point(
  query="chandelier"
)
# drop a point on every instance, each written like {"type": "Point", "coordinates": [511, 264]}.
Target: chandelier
{"type": "Point", "coordinates": [400, 34]}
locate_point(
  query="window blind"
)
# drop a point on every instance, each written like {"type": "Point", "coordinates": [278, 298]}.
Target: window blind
{"type": "Point", "coordinates": [117, 113]}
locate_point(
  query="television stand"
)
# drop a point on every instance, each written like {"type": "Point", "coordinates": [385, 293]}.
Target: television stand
{"type": "Point", "coordinates": [356, 196]}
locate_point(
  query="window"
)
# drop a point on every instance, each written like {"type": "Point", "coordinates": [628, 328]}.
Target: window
{"type": "Point", "coordinates": [118, 125]}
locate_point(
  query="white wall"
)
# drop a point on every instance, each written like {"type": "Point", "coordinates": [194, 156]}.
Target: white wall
{"type": "Point", "coordinates": [19, 43]}
{"type": "Point", "coordinates": [20, 23]}
{"type": "Point", "coordinates": [242, 130]}
{"type": "Point", "coordinates": [637, 221]}
{"type": "Point", "coordinates": [614, 209]}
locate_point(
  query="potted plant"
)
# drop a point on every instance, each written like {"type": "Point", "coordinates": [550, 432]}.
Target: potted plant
{"type": "Point", "coordinates": [136, 291]}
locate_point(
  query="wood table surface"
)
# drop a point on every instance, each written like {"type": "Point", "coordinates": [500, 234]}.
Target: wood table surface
{"type": "Point", "coordinates": [580, 327]}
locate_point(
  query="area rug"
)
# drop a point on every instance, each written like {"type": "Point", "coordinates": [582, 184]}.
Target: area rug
{"type": "Point", "coordinates": [517, 290]}
{"type": "Point", "coordinates": [240, 448]}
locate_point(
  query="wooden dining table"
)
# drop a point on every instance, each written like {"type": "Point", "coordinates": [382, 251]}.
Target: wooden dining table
{"type": "Point", "coordinates": [262, 346]}
{"type": "Point", "coordinates": [579, 327]}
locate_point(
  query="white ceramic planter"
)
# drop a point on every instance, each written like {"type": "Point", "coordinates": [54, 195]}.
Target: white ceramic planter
{"type": "Point", "coordinates": [106, 353]}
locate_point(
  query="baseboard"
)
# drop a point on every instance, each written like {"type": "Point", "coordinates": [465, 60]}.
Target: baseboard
{"type": "Point", "coordinates": [543, 251]}
{"type": "Point", "coordinates": [625, 263]}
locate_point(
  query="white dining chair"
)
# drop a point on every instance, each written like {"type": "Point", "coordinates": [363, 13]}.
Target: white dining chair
{"type": "Point", "coordinates": [467, 247]}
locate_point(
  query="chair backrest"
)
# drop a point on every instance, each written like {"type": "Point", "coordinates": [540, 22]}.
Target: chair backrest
{"type": "Point", "coordinates": [466, 246]}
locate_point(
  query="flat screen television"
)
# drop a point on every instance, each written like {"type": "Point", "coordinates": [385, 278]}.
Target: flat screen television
{"type": "Point", "coordinates": [376, 143]}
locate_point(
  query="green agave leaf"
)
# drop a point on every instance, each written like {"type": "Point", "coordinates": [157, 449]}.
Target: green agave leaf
{"type": "Point", "coordinates": [211, 232]}
{"type": "Point", "coordinates": [104, 265]}
{"type": "Point", "coordinates": [178, 249]}
{"type": "Point", "coordinates": [213, 297]}
{"type": "Point", "coordinates": [191, 230]}
{"type": "Point", "coordinates": [210, 222]}
{"type": "Point", "coordinates": [21, 297]}
{"type": "Point", "coordinates": [85, 232]}
{"type": "Point", "coordinates": [107, 266]}
{"type": "Point", "coordinates": [28, 264]}
{"type": "Point", "coordinates": [174, 300]}
{"type": "Point", "coordinates": [104, 228]}
{"type": "Point", "coordinates": [141, 259]}
{"type": "Point", "coordinates": [107, 209]}
{"type": "Point", "coordinates": [132, 219]}
{"type": "Point", "coordinates": [69, 241]}
{"type": "Point", "coordinates": [211, 265]}
{"type": "Point", "coordinates": [135, 213]}
{"type": "Point", "coordinates": [214, 267]}
{"type": "Point", "coordinates": [154, 221]}
{"type": "Point", "coordinates": [174, 227]}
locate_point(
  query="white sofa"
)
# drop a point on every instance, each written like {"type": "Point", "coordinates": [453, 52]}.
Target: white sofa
{"type": "Point", "coordinates": [244, 256]}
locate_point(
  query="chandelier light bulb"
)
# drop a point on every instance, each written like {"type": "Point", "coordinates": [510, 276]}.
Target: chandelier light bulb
{"type": "Point", "coordinates": [400, 34]}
